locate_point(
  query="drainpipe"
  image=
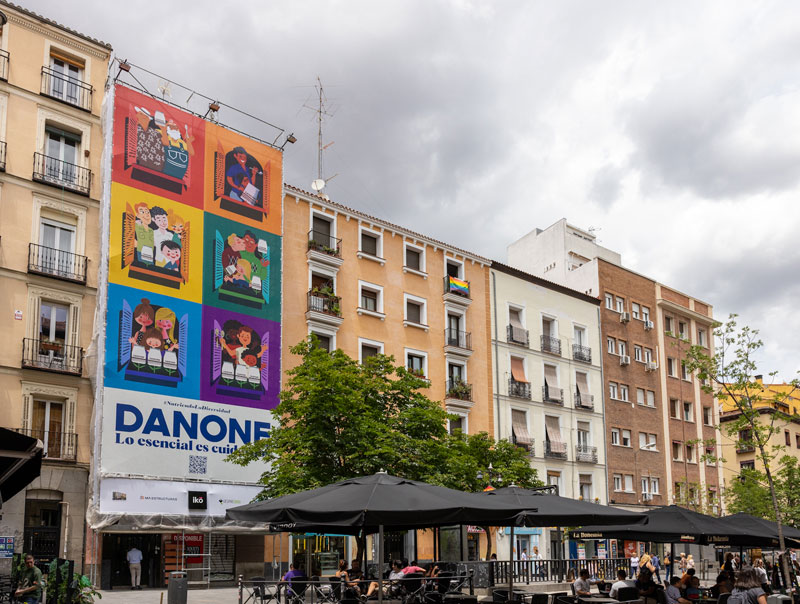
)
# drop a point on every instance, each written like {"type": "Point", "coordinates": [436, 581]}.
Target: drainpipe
{"type": "Point", "coordinates": [496, 355]}
{"type": "Point", "coordinates": [603, 395]}
{"type": "Point", "coordinates": [66, 527]}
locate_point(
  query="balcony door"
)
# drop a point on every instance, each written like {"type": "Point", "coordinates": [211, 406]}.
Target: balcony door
{"type": "Point", "coordinates": [65, 80]}
{"type": "Point", "coordinates": [61, 149]}
{"type": "Point", "coordinates": [52, 333]}
{"type": "Point", "coordinates": [56, 248]}
{"type": "Point", "coordinates": [47, 425]}
{"type": "Point", "coordinates": [454, 330]}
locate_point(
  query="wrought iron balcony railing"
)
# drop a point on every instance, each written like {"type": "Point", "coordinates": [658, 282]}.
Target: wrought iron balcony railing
{"type": "Point", "coordinates": [52, 355]}
{"type": "Point", "coordinates": [553, 395]}
{"type": "Point", "coordinates": [66, 89]}
{"type": "Point", "coordinates": [57, 444]}
{"type": "Point", "coordinates": [556, 450]}
{"type": "Point", "coordinates": [57, 173]}
{"type": "Point", "coordinates": [56, 263]}
{"type": "Point", "coordinates": [325, 303]}
{"type": "Point", "coordinates": [581, 353]}
{"type": "Point", "coordinates": [551, 345]}
{"type": "Point", "coordinates": [519, 389]}
{"type": "Point", "coordinates": [452, 285]}
{"type": "Point", "coordinates": [458, 338]}
{"type": "Point", "coordinates": [459, 389]}
{"type": "Point", "coordinates": [583, 401]}
{"type": "Point", "coordinates": [517, 335]}
{"type": "Point", "coordinates": [586, 453]}
{"type": "Point", "coordinates": [4, 59]}
{"type": "Point", "coordinates": [325, 243]}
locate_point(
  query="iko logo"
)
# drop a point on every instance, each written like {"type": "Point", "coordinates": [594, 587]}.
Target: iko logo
{"type": "Point", "coordinates": [198, 500]}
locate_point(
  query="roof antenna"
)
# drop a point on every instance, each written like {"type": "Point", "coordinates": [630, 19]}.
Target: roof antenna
{"type": "Point", "coordinates": [318, 184]}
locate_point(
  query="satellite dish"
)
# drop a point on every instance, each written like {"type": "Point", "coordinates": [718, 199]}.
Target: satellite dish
{"type": "Point", "coordinates": [318, 184]}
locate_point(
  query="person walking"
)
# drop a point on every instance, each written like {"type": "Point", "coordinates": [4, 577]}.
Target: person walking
{"type": "Point", "coordinates": [135, 565]}
{"type": "Point", "coordinates": [656, 567]}
{"type": "Point", "coordinates": [30, 583]}
{"type": "Point", "coordinates": [667, 566]}
{"type": "Point", "coordinates": [682, 564]}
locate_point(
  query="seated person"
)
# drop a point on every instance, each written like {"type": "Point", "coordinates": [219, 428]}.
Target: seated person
{"type": "Point", "coordinates": [350, 587]}
{"type": "Point", "coordinates": [647, 587]}
{"type": "Point", "coordinates": [723, 584]}
{"type": "Point", "coordinates": [622, 581]}
{"type": "Point", "coordinates": [686, 579]}
{"type": "Point", "coordinates": [413, 568]}
{"type": "Point", "coordinates": [431, 570]}
{"type": "Point", "coordinates": [693, 592]}
{"type": "Point", "coordinates": [296, 571]}
{"type": "Point", "coordinates": [582, 585]}
{"type": "Point", "coordinates": [392, 585]}
{"type": "Point", "coordinates": [673, 594]}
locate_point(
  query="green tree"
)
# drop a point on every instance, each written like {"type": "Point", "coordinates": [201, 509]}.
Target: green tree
{"type": "Point", "coordinates": [750, 494]}
{"type": "Point", "coordinates": [730, 375]}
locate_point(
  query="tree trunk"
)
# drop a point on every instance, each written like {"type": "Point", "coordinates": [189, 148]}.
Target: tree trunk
{"type": "Point", "coordinates": [776, 508]}
{"type": "Point", "coordinates": [488, 542]}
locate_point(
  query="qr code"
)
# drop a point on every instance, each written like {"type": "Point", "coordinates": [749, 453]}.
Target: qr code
{"type": "Point", "coordinates": [197, 464]}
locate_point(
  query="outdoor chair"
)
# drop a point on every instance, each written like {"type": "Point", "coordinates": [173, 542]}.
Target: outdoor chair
{"type": "Point", "coordinates": [628, 594]}
{"type": "Point", "coordinates": [296, 591]}
{"type": "Point", "coordinates": [322, 591]}
{"type": "Point", "coordinates": [723, 598]}
{"type": "Point", "coordinates": [413, 588]}
{"type": "Point", "coordinates": [536, 598]}
{"type": "Point", "coordinates": [564, 598]}
{"type": "Point", "coordinates": [258, 589]}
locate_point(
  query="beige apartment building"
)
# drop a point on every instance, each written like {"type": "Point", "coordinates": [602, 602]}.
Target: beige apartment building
{"type": "Point", "coordinates": [51, 90]}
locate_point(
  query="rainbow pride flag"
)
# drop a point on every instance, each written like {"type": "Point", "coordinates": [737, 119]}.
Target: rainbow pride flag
{"type": "Point", "coordinates": [457, 286]}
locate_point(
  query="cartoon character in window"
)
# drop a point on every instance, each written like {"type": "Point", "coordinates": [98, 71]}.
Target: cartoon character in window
{"type": "Point", "coordinates": [242, 269]}
{"type": "Point", "coordinates": [239, 365]}
{"type": "Point", "coordinates": [239, 182]}
{"type": "Point", "coordinates": [152, 249]}
{"type": "Point", "coordinates": [150, 348]}
{"type": "Point", "coordinates": [157, 150]}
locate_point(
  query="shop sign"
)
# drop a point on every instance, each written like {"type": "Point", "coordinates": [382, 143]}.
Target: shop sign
{"type": "Point", "coordinates": [475, 529]}
{"type": "Point", "coordinates": [192, 544]}
{"type": "Point", "coordinates": [6, 547]}
{"type": "Point", "coordinates": [602, 553]}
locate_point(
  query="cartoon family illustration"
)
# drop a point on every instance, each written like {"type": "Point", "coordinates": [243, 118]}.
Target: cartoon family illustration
{"type": "Point", "coordinates": [160, 150]}
{"type": "Point", "coordinates": [152, 343]}
{"type": "Point", "coordinates": [242, 266]}
{"type": "Point", "coordinates": [239, 182]}
{"type": "Point", "coordinates": [239, 355]}
{"type": "Point", "coordinates": [155, 244]}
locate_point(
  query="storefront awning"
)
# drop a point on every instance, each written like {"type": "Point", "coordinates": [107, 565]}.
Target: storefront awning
{"type": "Point", "coordinates": [20, 462]}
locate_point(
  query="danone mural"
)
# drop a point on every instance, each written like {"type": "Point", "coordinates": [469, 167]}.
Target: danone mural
{"type": "Point", "coordinates": [192, 348]}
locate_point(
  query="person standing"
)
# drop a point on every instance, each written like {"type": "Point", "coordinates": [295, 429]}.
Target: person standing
{"type": "Point", "coordinates": [30, 583]}
{"type": "Point", "coordinates": [682, 564]}
{"type": "Point", "coordinates": [135, 565]}
{"type": "Point", "coordinates": [667, 565]}
{"type": "Point", "coordinates": [634, 565]}
{"type": "Point", "coordinates": [656, 567]}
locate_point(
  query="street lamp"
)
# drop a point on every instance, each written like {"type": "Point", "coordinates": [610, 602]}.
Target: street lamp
{"type": "Point", "coordinates": [491, 475]}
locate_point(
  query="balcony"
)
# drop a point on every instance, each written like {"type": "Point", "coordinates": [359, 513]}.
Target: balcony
{"type": "Point", "coordinates": [585, 401]}
{"type": "Point", "coordinates": [457, 291]}
{"type": "Point", "coordinates": [324, 249]}
{"type": "Point", "coordinates": [519, 389]}
{"type": "Point", "coordinates": [2, 156]}
{"type": "Point", "coordinates": [553, 395]}
{"type": "Point", "coordinates": [57, 263]}
{"type": "Point", "coordinates": [585, 453]}
{"type": "Point", "coordinates": [4, 58]}
{"type": "Point", "coordinates": [742, 448]}
{"type": "Point", "coordinates": [50, 355]}
{"type": "Point", "coordinates": [582, 353]}
{"type": "Point", "coordinates": [62, 446]}
{"type": "Point", "coordinates": [458, 342]}
{"type": "Point", "coordinates": [530, 448]}
{"type": "Point", "coordinates": [52, 171]}
{"type": "Point", "coordinates": [551, 345]}
{"type": "Point", "coordinates": [66, 89]}
{"type": "Point", "coordinates": [517, 335]}
{"type": "Point", "coordinates": [555, 450]}
{"type": "Point", "coordinates": [459, 390]}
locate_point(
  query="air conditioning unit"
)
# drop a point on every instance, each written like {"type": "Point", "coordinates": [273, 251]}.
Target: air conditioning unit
{"type": "Point", "coordinates": [648, 325]}
{"type": "Point", "coordinates": [650, 366]}
{"type": "Point", "coordinates": [647, 497]}
{"type": "Point", "coordinates": [624, 317]}
{"type": "Point", "coordinates": [624, 360]}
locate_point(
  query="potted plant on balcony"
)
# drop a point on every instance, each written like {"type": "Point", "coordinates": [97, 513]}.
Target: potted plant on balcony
{"type": "Point", "coordinates": [50, 346]}
{"type": "Point", "coordinates": [459, 390]}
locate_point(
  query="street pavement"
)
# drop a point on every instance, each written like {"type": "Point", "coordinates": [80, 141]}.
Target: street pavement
{"type": "Point", "coordinates": [222, 595]}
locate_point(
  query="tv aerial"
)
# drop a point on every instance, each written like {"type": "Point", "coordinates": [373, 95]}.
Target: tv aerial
{"type": "Point", "coordinates": [321, 110]}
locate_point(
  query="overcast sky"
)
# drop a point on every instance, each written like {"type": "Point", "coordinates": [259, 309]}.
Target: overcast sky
{"type": "Point", "coordinates": [671, 127]}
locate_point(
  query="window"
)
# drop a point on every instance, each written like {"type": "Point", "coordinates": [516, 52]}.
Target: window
{"type": "Point", "coordinates": [674, 408]}
{"type": "Point", "coordinates": [647, 441]}
{"type": "Point", "coordinates": [622, 348]}
{"type": "Point", "coordinates": [651, 398]}
{"type": "Point", "coordinates": [640, 396]}
{"type": "Point", "coordinates": [654, 486]}
{"type": "Point", "coordinates": [669, 324]}
{"type": "Point", "coordinates": [711, 456]}
{"type": "Point", "coordinates": [613, 390]}
{"type": "Point", "coordinates": [677, 451]}
{"type": "Point", "coordinates": [415, 258]}
{"type": "Point", "coordinates": [637, 353]}
{"type": "Point", "coordinates": [685, 372]}
{"type": "Point", "coordinates": [549, 328]}
{"type": "Point", "coordinates": [456, 424]}
{"type": "Point", "coordinates": [708, 417]}
{"type": "Point", "coordinates": [672, 367]}
{"type": "Point", "coordinates": [585, 487]}
{"type": "Point", "coordinates": [370, 298]}
{"type": "Point", "coordinates": [617, 482]}
{"type": "Point", "coordinates": [787, 438]}
{"type": "Point", "coordinates": [417, 362]}
{"type": "Point", "coordinates": [323, 341]}
{"type": "Point", "coordinates": [65, 80]}
{"type": "Point", "coordinates": [612, 345]}
{"type": "Point", "coordinates": [580, 335]}
{"type": "Point", "coordinates": [620, 304]}
{"type": "Point", "coordinates": [688, 411]}
{"type": "Point", "coordinates": [645, 313]}
{"type": "Point", "coordinates": [370, 243]}
{"type": "Point", "coordinates": [645, 485]}
{"type": "Point", "coordinates": [614, 436]}
{"type": "Point", "coordinates": [648, 355]}
{"type": "Point", "coordinates": [682, 330]}
{"type": "Point", "coordinates": [519, 429]}
{"type": "Point", "coordinates": [609, 302]}
{"type": "Point", "coordinates": [47, 424]}
{"type": "Point", "coordinates": [61, 149]}
{"type": "Point", "coordinates": [626, 438]}
{"type": "Point", "coordinates": [680, 490]}
{"type": "Point", "coordinates": [623, 392]}
{"type": "Point", "coordinates": [635, 311]}
{"type": "Point", "coordinates": [415, 310]}
{"type": "Point", "coordinates": [701, 337]}
{"type": "Point", "coordinates": [797, 440]}
{"type": "Point", "coordinates": [629, 483]}
{"type": "Point", "coordinates": [584, 434]}
{"type": "Point", "coordinates": [454, 268]}
{"type": "Point", "coordinates": [747, 465]}
{"type": "Point", "coordinates": [321, 236]}
{"type": "Point", "coordinates": [690, 451]}
{"type": "Point", "coordinates": [554, 479]}
{"type": "Point", "coordinates": [368, 348]}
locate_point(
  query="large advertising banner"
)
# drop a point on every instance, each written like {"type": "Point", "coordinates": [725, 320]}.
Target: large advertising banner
{"type": "Point", "coordinates": [192, 349]}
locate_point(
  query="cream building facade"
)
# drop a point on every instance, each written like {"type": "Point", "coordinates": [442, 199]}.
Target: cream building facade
{"type": "Point", "coordinates": [548, 386]}
{"type": "Point", "coordinates": [51, 91]}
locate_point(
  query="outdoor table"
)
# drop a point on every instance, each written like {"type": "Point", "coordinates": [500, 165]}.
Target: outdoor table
{"type": "Point", "coordinates": [597, 599]}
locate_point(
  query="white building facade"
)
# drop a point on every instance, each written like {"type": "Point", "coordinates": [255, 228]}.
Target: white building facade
{"type": "Point", "coordinates": [548, 386]}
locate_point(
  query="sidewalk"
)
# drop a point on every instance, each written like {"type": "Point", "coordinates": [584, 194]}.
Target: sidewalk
{"type": "Point", "coordinates": [222, 595]}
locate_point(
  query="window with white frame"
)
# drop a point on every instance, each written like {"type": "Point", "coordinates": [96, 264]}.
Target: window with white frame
{"type": "Point", "coordinates": [614, 436]}
{"type": "Point", "coordinates": [682, 327]}
{"type": "Point", "coordinates": [645, 485]}
{"type": "Point", "coordinates": [554, 479]}
{"type": "Point", "coordinates": [647, 441]}
{"type": "Point", "coordinates": [711, 456]}
{"type": "Point", "coordinates": [635, 310]}
{"type": "Point", "coordinates": [611, 345]}
{"type": "Point", "coordinates": [322, 233]}
{"type": "Point", "coordinates": [454, 268]}
{"type": "Point", "coordinates": [672, 367]}
{"type": "Point", "coordinates": [690, 453]}
{"type": "Point", "coordinates": [617, 482]}
{"type": "Point", "coordinates": [626, 438]}
{"type": "Point", "coordinates": [701, 337]}
{"type": "Point", "coordinates": [629, 483]}
{"type": "Point", "coordinates": [688, 411]}
{"type": "Point", "coordinates": [648, 355]}
{"type": "Point", "coordinates": [654, 486]}
{"type": "Point", "coordinates": [645, 313]}
{"type": "Point", "coordinates": [613, 390]}
{"type": "Point", "coordinates": [708, 416]}
{"type": "Point", "coordinates": [687, 376]}
{"type": "Point", "coordinates": [324, 340]}
{"type": "Point", "coordinates": [637, 353]}
{"type": "Point", "coordinates": [669, 324]}
{"type": "Point", "coordinates": [623, 392]}
{"type": "Point", "coordinates": [48, 411]}
{"type": "Point", "coordinates": [609, 302]}
{"type": "Point", "coordinates": [417, 362]}
{"type": "Point", "coordinates": [415, 310]}
{"type": "Point", "coordinates": [457, 422]}
{"type": "Point", "coordinates": [62, 149]}
{"type": "Point", "coordinates": [620, 304]}
{"type": "Point", "coordinates": [677, 451]}
{"type": "Point", "coordinates": [674, 408]}
{"type": "Point", "coordinates": [640, 396]}
{"type": "Point", "coordinates": [65, 79]}
{"type": "Point", "coordinates": [651, 398]}
{"type": "Point", "coordinates": [368, 348]}
{"type": "Point", "coordinates": [622, 348]}
{"type": "Point", "coordinates": [585, 487]}
{"type": "Point", "coordinates": [370, 243]}
{"type": "Point", "coordinates": [414, 258]}
{"type": "Point", "coordinates": [370, 297]}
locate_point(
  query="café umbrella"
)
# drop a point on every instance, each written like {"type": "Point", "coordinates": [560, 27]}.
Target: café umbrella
{"type": "Point", "coordinates": [20, 462]}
